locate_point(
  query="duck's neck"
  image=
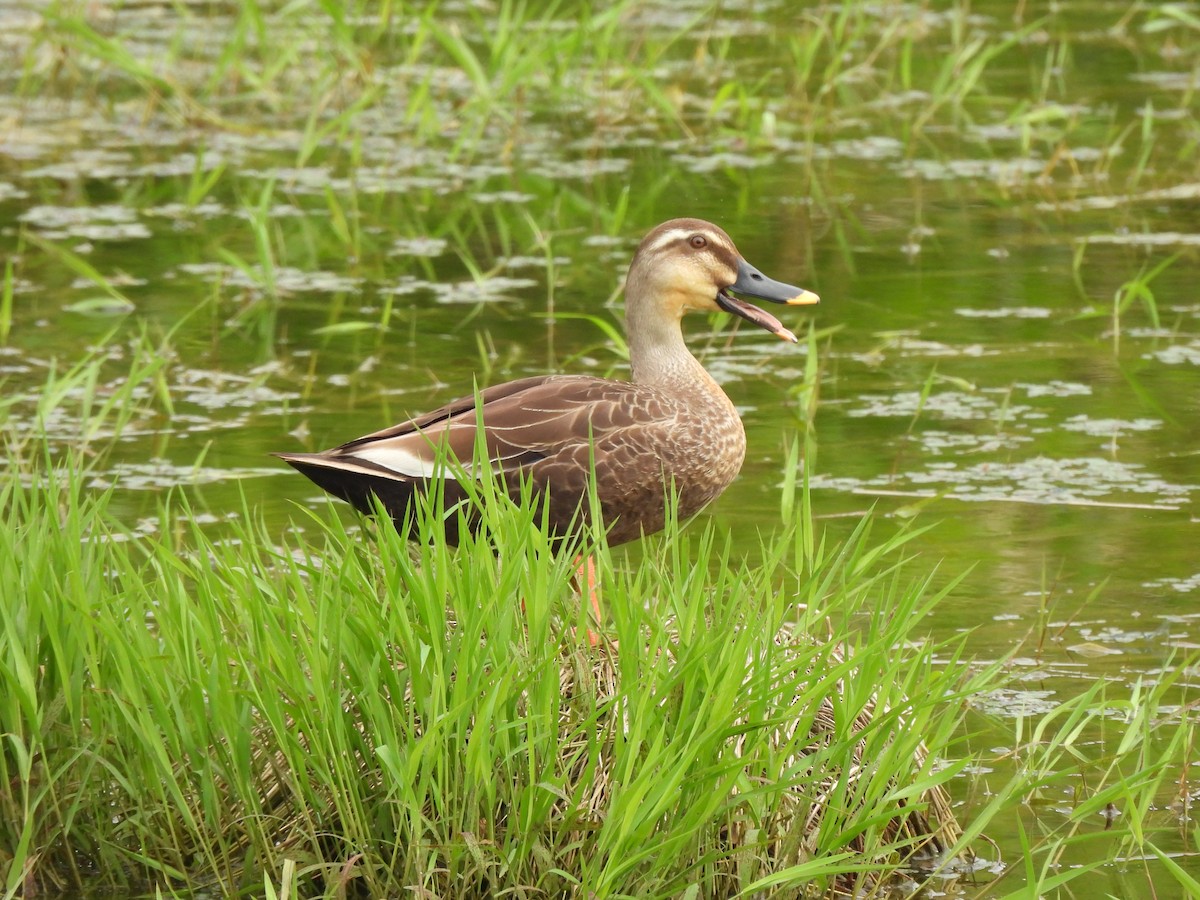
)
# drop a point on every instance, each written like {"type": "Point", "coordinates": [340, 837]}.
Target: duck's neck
{"type": "Point", "coordinates": [658, 355]}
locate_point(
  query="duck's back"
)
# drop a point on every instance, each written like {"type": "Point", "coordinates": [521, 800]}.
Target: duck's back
{"type": "Point", "coordinates": [552, 431]}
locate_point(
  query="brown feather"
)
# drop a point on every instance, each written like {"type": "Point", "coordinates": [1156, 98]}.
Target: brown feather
{"type": "Point", "coordinates": [670, 430]}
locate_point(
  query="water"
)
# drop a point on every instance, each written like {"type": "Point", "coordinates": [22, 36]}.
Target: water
{"type": "Point", "coordinates": [967, 253]}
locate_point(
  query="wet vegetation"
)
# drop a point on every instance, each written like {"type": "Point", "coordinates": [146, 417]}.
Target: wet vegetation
{"type": "Point", "coordinates": [235, 228]}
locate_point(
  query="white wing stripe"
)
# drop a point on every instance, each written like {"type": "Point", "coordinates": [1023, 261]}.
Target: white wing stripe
{"type": "Point", "coordinates": [400, 461]}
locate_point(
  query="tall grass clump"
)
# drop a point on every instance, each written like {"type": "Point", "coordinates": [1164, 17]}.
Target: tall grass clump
{"type": "Point", "coordinates": [332, 710]}
{"type": "Point", "coordinates": [184, 710]}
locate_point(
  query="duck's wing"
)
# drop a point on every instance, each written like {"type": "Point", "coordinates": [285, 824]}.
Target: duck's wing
{"type": "Point", "coordinates": [524, 422]}
{"type": "Point", "coordinates": [554, 427]}
{"type": "Point", "coordinates": [419, 448]}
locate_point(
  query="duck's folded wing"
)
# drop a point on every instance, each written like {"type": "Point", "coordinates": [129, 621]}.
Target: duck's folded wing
{"type": "Point", "coordinates": [525, 422]}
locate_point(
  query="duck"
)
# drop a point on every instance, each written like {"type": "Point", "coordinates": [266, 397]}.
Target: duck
{"type": "Point", "coordinates": [670, 430]}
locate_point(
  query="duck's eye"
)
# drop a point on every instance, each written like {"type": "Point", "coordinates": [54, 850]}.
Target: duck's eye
{"type": "Point", "coordinates": [699, 241]}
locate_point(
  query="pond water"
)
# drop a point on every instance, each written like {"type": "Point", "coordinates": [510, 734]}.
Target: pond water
{"type": "Point", "coordinates": [974, 224]}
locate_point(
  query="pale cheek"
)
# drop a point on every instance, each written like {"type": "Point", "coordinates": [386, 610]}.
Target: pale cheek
{"type": "Point", "coordinates": [701, 302]}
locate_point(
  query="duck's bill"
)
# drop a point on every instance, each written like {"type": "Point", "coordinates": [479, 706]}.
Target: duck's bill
{"type": "Point", "coordinates": [754, 283]}
{"type": "Point", "coordinates": [752, 313]}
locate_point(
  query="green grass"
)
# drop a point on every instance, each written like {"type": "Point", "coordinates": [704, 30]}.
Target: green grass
{"type": "Point", "coordinates": [331, 709]}
{"type": "Point", "coordinates": [453, 91]}
{"type": "Point", "coordinates": [468, 81]}
{"type": "Point", "coordinates": [322, 710]}
{"type": "Point", "coordinates": [183, 708]}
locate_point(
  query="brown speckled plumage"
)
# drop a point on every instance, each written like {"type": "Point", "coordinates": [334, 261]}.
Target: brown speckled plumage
{"type": "Point", "coordinates": [671, 427]}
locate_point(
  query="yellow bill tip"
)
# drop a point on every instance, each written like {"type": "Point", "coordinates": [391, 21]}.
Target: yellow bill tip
{"type": "Point", "coordinates": [804, 298]}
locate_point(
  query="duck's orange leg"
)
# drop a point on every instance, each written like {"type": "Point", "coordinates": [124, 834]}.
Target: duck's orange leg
{"type": "Point", "coordinates": [587, 580]}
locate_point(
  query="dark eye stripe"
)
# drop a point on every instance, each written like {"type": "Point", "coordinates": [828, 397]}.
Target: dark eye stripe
{"type": "Point", "coordinates": [716, 249]}
{"type": "Point", "coordinates": [678, 241]}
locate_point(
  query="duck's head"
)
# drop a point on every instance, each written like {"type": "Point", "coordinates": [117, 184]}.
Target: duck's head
{"type": "Point", "coordinates": [689, 265]}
